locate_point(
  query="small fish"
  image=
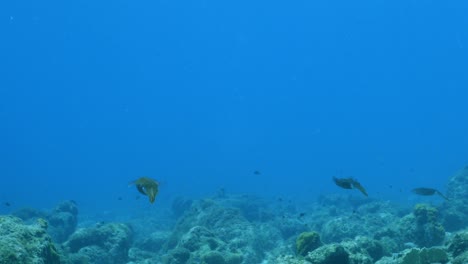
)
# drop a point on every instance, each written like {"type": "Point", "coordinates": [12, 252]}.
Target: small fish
{"type": "Point", "coordinates": [119, 198]}
{"type": "Point", "coordinates": [148, 187]}
{"type": "Point", "coordinates": [301, 215]}
{"type": "Point", "coordinates": [349, 183]}
{"type": "Point", "coordinates": [428, 192]}
{"type": "Point", "coordinates": [7, 204]}
{"type": "Point", "coordinates": [257, 172]}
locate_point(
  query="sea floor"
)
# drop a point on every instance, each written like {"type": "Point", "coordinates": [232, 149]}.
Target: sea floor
{"type": "Point", "coordinates": [244, 229]}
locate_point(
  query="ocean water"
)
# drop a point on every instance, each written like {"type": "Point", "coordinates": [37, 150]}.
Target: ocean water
{"type": "Point", "coordinates": [200, 94]}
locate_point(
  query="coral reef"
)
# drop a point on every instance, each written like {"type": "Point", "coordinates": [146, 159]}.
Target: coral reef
{"type": "Point", "coordinates": [153, 242]}
{"type": "Point", "coordinates": [20, 243]}
{"type": "Point", "coordinates": [306, 242]}
{"type": "Point", "coordinates": [422, 227]}
{"type": "Point", "coordinates": [370, 219]}
{"type": "Point", "coordinates": [63, 221]}
{"type": "Point", "coordinates": [455, 211]}
{"type": "Point", "coordinates": [103, 244]}
{"type": "Point", "coordinates": [344, 227]}
{"type": "Point", "coordinates": [458, 247]}
{"type": "Point", "coordinates": [252, 208]}
{"type": "Point", "coordinates": [289, 227]}
{"type": "Point", "coordinates": [244, 229]}
{"type": "Point", "coordinates": [417, 256]}
{"type": "Point", "coordinates": [209, 229]}
{"type": "Point", "coordinates": [363, 250]}
{"type": "Point", "coordinates": [178, 255]}
{"type": "Point", "coordinates": [329, 254]}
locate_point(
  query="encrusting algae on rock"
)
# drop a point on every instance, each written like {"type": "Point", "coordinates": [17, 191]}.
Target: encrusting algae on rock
{"type": "Point", "coordinates": [22, 243]}
{"type": "Point", "coordinates": [306, 242]}
{"type": "Point", "coordinates": [148, 187]}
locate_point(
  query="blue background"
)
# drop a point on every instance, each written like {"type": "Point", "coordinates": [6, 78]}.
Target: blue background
{"type": "Point", "coordinates": [199, 94]}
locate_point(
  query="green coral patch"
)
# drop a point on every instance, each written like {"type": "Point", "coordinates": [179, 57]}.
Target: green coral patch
{"type": "Point", "coordinates": [306, 242]}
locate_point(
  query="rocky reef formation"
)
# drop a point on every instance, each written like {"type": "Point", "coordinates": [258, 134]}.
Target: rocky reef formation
{"type": "Point", "coordinates": [455, 211]}
{"type": "Point", "coordinates": [62, 220]}
{"type": "Point", "coordinates": [306, 242]}
{"type": "Point", "coordinates": [368, 219]}
{"type": "Point", "coordinates": [24, 244]}
{"type": "Point", "coordinates": [458, 248]}
{"type": "Point", "coordinates": [422, 227]}
{"type": "Point", "coordinates": [100, 244]}
{"type": "Point", "coordinates": [362, 250]}
{"type": "Point", "coordinates": [417, 256]}
{"type": "Point", "coordinates": [243, 229]}
{"type": "Point", "coordinates": [211, 233]}
{"type": "Point", "coordinates": [34, 243]}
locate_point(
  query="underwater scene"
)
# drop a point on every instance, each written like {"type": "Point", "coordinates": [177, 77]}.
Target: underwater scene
{"type": "Point", "coordinates": [233, 132]}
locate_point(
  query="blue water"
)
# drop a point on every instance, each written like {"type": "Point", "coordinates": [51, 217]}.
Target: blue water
{"type": "Point", "coordinates": [200, 94]}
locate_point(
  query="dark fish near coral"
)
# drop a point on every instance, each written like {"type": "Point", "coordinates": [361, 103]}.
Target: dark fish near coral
{"type": "Point", "coordinates": [148, 187]}
{"type": "Point", "coordinates": [427, 192]}
{"type": "Point", "coordinates": [7, 204]}
{"type": "Point", "coordinates": [349, 183]}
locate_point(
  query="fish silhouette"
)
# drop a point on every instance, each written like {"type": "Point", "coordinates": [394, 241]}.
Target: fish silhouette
{"type": "Point", "coordinates": [350, 183]}
{"type": "Point", "coordinates": [428, 192]}
{"type": "Point", "coordinates": [148, 187]}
